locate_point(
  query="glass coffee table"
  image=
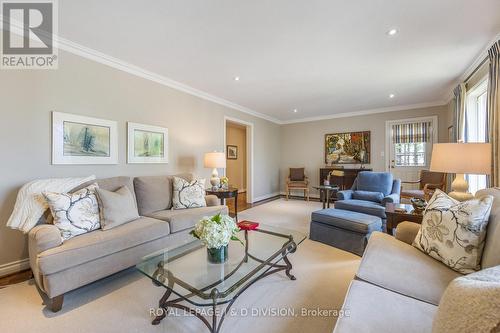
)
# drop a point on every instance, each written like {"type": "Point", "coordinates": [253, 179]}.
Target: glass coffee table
{"type": "Point", "coordinates": [189, 277]}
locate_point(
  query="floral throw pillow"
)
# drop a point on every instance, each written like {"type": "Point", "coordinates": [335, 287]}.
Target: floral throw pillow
{"type": "Point", "coordinates": [453, 232]}
{"type": "Point", "coordinates": [74, 213]}
{"type": "Point", "coordinates": [188, 194]}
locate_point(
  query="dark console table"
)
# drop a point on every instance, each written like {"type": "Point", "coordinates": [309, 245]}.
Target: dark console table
{"type": "Point", "coordinates": [343, 182]}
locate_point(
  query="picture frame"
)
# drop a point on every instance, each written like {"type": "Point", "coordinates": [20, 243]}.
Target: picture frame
{"type": "Point", "coordinates": [79, 139]}
{"type": "Point", "coordinates": [146, 143]}
{"type": "Point", "coordinates": [232, 152]}
{"type": "Point", "coordinates": [348, 148]}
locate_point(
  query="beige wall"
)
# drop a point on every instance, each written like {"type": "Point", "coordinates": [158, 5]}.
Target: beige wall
{"type": "Point", "coordinates": [85, 87]}
{"type": "Point", "coordinates": [302, 144]}
{"type": "Point", "coordinates": [236, 170]}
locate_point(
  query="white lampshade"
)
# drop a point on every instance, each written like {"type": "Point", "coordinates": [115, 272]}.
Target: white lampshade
{"type": "Point", "coordinates": [461, 158]}
{"type": "Point", "coordinates": [215, 160]}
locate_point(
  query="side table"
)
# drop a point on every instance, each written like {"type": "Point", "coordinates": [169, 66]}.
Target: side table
{"type": "Point", "coordinates": [395, 217]}
{"type": "Point", "coordinates": [223, 194]}
{"type": "Point", "coordinates": [324, 191]}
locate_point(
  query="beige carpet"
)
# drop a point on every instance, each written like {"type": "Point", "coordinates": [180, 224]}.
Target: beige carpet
{"type": "Point", "coordinates": [121, 302]}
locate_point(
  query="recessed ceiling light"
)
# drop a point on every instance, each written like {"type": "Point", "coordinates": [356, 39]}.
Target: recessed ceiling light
{"type": "Point", "coordinates": [236, 78]}
{"type": "Point", "coordinates": [295, 110]}
{"type": "Point", "coordinates": [392, 32]}
{"type": "Point", "coordinates": [392, 96]}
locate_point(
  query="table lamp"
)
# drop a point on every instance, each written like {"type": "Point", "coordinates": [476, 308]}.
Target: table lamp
{"type": "Point", "coordinates": [215, 160]}
{"type": "Point", "coordinates": [461, 158]}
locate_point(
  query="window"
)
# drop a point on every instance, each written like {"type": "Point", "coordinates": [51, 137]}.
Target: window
{"type": "Point", "coordinates": [475, 127]}
{"type": "Point", "coordinates": [410, 154]}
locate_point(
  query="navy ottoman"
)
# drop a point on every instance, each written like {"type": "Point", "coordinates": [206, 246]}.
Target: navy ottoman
{"type": "Point", "coordinates": [343, 229]}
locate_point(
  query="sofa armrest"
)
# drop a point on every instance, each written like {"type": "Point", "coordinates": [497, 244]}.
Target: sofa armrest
{"type": "Point", "coordinates": [44, 237]}
{"type": "Point", "coordinates": [407, 231]}
{"type": "Point", "coordinates": [391, 198]}
{"type": "Point", "coordinates": [344, 195]}
{"type": "Point", "coordinates": [212, 200]}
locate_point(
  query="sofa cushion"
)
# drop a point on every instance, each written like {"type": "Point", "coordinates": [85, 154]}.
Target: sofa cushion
{"type": "Point", "coordinates": [453, 232]}
{"type": "Point", "coordinates": [374, 182]}
{"type": "Point", "coordinates": [491, 253]}
{"type": "Point", "coordinates": [397, 266]}
{"type": "Point", "coordinates": [153, 193]}
{"type": "Point", "coordinates": [188, 194]}
{"type": "Point", "coordinates": [345, 219]}
{"type": "Point", "coordinates": [362, 206]}
{"type": "Point", "coordinates": [471, 303]}
{"type": "Point", "coordinates": [74, 213]}
{"type": "Point", "coordinates": [368, 196]}
{"type": "Point", "coordinates": [100, 243]}
{"type": "Point", "coordinates": [116, 208]}
{"type": "Point", "coordinates": [368, 308]}
{"type": "Point", "coordinates": [187, 218]}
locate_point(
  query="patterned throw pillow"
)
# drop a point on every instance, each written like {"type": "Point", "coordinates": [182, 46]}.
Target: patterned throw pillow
{"type": "Point", "coordinates": [188, 194]}
{"type": "Point", "coordinates": [453, 232]}
{"type": "Point", "coordinates": [74, 213]}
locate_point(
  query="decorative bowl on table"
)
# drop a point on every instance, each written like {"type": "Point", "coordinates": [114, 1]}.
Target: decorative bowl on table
{"type": "Point", "coordinates": [418, 205]}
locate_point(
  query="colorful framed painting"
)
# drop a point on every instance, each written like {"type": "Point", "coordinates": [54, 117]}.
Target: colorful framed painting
{"type": "Point", "coordinates": [347, 148]}
{"type": "Point", "coordinates": [83, 140]}
{"type": "Point", "coordinates": [147, 144]}
{"type": "Point", "coordinates": [232, 152]}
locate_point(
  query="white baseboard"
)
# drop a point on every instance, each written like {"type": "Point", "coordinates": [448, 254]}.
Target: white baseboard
{"type": "Point", "coordinates": [265, 196]}
{"type": "Point", "coordinates": [14, 267]}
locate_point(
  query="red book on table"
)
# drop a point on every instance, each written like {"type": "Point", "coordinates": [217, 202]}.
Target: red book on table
{"type": "Point", "coordinates": [248, 225]}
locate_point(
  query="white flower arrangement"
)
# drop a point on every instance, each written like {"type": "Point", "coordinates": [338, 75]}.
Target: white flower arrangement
{"type": "Point", "coordinates": [216, 231]}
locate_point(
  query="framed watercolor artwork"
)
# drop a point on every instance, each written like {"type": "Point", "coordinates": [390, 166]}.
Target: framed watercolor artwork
{"type": "Point", "coordinates": [147, 144]}
{"type": "Point", "coordinates": [83, 140]}
{"type": "Point", "coordinates": [232, 152]}
{"type": "Point", "coordinates": [347, 148]}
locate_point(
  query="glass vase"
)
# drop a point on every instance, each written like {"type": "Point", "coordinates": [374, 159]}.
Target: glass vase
{"type": "Point", "coordinates": [217, 256]}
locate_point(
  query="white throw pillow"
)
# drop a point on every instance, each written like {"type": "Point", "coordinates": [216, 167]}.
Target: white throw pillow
{"type": "Point", "coordinates": [453, 232]}
{"type": "Point", "coordinates": [75, 213]}
{"type": "Point", "coordinates": [188, 194]}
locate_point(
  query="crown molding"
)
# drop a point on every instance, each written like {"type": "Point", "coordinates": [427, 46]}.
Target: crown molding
{"type": "Point", "coordinates": [105, 59]}
{"type": "Point", "coordinates": [366, 112]}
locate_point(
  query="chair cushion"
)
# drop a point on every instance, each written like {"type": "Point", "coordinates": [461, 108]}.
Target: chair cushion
{"type": "Point", "coordinates": [297, 174]}
{"type": "Point", "coordinates": [362, 206]}
{"type": "Point", "coordinates": [349, 220]}
{"type": "Point", "coordinates": [375, 182]}
{"type": "Point", "coordinates": [100, 243]}
{"type": "Point", "coordinates": [368, 196]}
{"type": "Point", "coordinates": [374, 309]}
{"type": "Point", "coordinates": [413, 194]}
{"type": "Point", "coordinates": [297, 184]}
{"type": "Point", "coordinates": [400, 267]}
{"type": "Point", "coordinates": [187, 218]}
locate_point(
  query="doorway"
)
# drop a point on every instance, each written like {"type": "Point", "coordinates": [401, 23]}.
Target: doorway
{"type": "Point", "coordinates": [409, 147]}
{"type": "Point", "coordinates": [238, 144]}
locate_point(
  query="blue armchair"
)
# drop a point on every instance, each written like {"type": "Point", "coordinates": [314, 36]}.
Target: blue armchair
{"type": "Point", "coordinates": [369, 193]}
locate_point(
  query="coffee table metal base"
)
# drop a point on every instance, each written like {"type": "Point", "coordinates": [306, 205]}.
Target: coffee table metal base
{"type": "Point", "coordinates": [215, 325]}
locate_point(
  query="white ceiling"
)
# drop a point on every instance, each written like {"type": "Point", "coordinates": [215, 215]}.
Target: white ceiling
{"type": "Point", "coordinates": [320, 57]}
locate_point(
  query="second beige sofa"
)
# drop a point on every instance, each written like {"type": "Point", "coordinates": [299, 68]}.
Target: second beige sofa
{"type": "Point", "coordinates": [61, 267]}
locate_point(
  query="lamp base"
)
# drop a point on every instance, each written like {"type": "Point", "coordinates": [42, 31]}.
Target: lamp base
{"type": "Point", "coordinates": [215, 180]}
{"type": "Point", "coordinates": [460, 189]}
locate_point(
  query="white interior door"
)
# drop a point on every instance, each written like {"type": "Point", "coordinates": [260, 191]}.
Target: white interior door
{"type": "Point", "coordinates": [405, 160]}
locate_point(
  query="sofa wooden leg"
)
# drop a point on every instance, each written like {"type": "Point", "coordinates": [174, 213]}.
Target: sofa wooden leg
{"type": "Point", "coordinates": [56, 303]}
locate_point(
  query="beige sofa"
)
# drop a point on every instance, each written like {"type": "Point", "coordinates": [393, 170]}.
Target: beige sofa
{"type": "Point", "coordinates": [61, 267]}
{"type": "Point", "coordinates": [398, 288]}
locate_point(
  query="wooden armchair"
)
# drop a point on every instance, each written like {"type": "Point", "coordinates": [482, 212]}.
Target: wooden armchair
{"type": "Point", "coordinates": [429, 181]}
{"type": "Point", "coordinates": [297, 180]}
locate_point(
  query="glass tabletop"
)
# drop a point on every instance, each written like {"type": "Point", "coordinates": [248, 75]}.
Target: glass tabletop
{"type": "Point", "coordinates": [188, 273]}
{"type": "Point", "coordinates": [326, 187]}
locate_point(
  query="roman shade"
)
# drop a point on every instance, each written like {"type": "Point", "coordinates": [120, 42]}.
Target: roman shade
{"type": "Point", "coordinates": [411, 132]}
